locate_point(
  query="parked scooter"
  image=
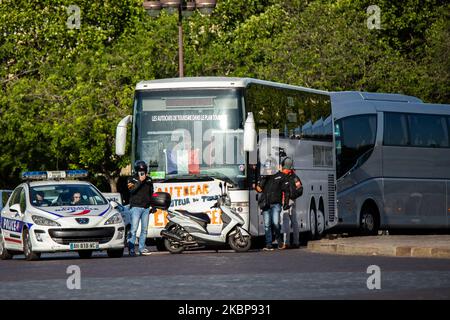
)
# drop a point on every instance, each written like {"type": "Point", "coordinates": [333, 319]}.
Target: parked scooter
{"type": "Point", "coordinates": [188, 230]}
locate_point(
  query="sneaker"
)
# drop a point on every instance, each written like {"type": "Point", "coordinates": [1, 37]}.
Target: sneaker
{"type": "Point", "coordinates": [283, 246]}
{"type": "Point", "coordinates": [268, 248]}
{"type": "Point", "coordinates": [145, 252]}
{"type": "Point", "coordinates": [132, 253]}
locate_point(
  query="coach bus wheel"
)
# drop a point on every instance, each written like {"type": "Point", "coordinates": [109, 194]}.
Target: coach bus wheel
{"type": "Point", "coordinates": [4, 253]}
{"type": "Point", "coordinates": [369, 221]}
{"type": "Point", "coordinates": [320, 223]}
{"type": "Point", "coordinates": [30, 255]}
{"type": "Point", "coordinates": [85, 254]}
{"type": "Point", "coordinates": [312, 224]}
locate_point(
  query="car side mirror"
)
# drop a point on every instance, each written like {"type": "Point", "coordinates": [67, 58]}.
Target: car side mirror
{"type": "Point", "coordinates": [114, 204]}
{"type": "Point", "coordinates": [249, 133]}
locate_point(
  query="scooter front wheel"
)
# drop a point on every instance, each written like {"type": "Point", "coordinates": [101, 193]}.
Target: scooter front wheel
{"type": "Point", "coordinates": [172, 246]}
{"type": "Point", "coordinates": [239, 243]}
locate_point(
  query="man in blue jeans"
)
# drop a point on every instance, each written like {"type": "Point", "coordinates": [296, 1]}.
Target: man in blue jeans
{"type": "Point", "coordinates": [272, 185]}
{"type": "Point", "coordinates": [141, 190]}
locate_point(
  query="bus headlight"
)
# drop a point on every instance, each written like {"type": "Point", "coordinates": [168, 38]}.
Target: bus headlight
{"type": "Point", "coordinates": [115, 219]}
{"type": "Point", "coordinates": [41, 221]}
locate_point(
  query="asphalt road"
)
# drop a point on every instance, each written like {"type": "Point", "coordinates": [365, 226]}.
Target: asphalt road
{"type": "Point", "coordinates": [289, 274]}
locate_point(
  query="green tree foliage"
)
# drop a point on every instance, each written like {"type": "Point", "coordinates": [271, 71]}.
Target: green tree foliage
{"type": "Point", "coordinates": [63, 91]}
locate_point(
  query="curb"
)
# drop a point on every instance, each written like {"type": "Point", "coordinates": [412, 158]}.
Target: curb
{"type": "Point", "coordinates": [381, 250]}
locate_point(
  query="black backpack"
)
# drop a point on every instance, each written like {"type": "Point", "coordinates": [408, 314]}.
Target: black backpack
{"type": "Point", "coordinates": [293, 190]}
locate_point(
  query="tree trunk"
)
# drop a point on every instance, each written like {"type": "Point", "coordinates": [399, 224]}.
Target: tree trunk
{"type": "Point", "coordinates": [113, 183]}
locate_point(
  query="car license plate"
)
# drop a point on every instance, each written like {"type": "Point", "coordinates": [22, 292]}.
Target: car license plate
{"type": "Point", "coordinates": [84, 246]}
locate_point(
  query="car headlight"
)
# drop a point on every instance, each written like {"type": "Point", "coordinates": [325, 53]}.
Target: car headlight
{"type": "Point", "coordinates": [44, 221]}
{"type": "Point", "coordinates": [115, 219]}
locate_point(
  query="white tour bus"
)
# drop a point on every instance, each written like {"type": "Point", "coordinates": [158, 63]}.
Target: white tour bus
{"type": "Point", "coordinates": [191, 133]}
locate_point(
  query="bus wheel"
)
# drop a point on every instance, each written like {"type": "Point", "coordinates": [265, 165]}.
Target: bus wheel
{"type": "Point", "coordinates": [4, 253]}
{"type": "Point", "coordinates": [369, 221]}
{"type": "Point", "coordinates": [312, 224]}
{"type": "Point", "coordinates": [30, 255]}
{"type": "Point", "coordinates": [320, 224]}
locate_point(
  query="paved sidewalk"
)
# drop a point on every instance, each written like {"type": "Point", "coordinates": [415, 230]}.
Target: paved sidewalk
{"type": "Point", "coordinates": [423, 246]}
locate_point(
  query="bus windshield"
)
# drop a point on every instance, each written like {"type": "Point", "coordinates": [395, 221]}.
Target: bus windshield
{"type": "Point", "coordinates": [190, 133]}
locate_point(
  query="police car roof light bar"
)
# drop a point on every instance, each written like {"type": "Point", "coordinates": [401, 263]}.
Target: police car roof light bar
{"type": "Point", "coordinates": [76, 173]}
{"type": "Point", "coordinates": [34, 175]}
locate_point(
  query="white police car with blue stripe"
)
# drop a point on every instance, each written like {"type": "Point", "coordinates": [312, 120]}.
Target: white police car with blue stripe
{"type": "Point", "coordinates": [52, 212]}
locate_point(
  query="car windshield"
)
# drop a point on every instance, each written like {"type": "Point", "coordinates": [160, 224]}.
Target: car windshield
{"type": "Point", "coordinates": [65, 195]}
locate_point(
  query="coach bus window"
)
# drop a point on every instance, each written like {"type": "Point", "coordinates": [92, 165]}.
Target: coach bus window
{"type": "Point", "coordinates": [395, 129]}
{"type": "Point", "coordinates": [355, 141]}
{"type": "Point", "coordinates": [428, 131]}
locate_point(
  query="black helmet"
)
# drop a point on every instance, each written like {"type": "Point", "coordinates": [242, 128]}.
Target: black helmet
{"type": "Point", "coordinates": [140, 165]}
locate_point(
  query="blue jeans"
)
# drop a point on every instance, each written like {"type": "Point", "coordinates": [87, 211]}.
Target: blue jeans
{"type": "Point", "coordinates": [272, 219]}
{"type": "Point", "coordinates": [138, 214]}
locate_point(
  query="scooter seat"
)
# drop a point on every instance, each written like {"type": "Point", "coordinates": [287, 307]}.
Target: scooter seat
{"type": "Point", "coordinates": [200, 216]}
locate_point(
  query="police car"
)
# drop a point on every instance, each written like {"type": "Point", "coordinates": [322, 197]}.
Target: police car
{"type": "Point", "coordinates": [53, 212]}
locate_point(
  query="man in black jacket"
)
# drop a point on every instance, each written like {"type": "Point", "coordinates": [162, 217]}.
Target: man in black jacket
{"type": "Point", "coordinates": [141, 190]}
{"type": "Point", "coordinates": [272, 184]}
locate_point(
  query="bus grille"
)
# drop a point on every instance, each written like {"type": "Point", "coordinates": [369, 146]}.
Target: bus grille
{"type": "Point", "coordinates": [331, 198]}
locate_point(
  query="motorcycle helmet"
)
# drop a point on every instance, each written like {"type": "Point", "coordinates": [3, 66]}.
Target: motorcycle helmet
{"type": "Point", "coordinates": [140, 165]}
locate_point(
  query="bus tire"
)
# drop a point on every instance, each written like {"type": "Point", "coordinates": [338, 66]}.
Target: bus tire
{"type": "Point", "coordinates": [312, 224]}
{"type": "Point", "coordinates": [30, 255]}
{"type": "Point", "coordinates": [320, 224]}
{"type": "Point", "coordinates": [4, 253]}
{"type": "Point", "coordinates": [369, 221]}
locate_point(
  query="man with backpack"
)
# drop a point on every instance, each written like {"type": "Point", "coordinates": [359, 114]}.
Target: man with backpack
{"type": "Point", "coordinates": [271, 187]}
{"type": "Point", "coordinates": [295, 189]}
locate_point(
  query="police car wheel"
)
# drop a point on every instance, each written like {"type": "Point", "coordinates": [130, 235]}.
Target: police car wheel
{"type": "Point", "coordinates": [30, 255]}
{"type": "Point", "coordinates": [85, 254]}
{"type": "Point", "coordinates": [115, 253]}
{"type": "Point", "coordinates": [127, 236]}
{"type": "Point", "coordinates": [4, 253]}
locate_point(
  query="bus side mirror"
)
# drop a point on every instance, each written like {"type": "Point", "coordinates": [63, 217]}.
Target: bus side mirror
{"type": "Point", "coordinates": [121, 135]}
{"type": "Point", "coordinates": [249, 133]}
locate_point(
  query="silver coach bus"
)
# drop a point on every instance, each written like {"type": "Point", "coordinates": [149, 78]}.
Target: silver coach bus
{"type": "Point", "coordinates": [191, 132]}
{"type": "Point", "coordinates": [392, 162]}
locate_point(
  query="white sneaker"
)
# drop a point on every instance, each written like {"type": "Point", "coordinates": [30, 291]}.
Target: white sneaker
{"type": "Point", "coordinates": [145, 252]}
